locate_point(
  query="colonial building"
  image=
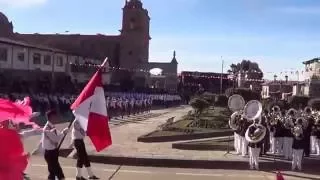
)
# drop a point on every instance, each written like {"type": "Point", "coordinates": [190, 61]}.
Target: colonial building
{"type": "Point", "coordinates": [311, 85]}
{"type": "Point", "coordinates": [25, 61]}
{"type": "Point", "coordinates": [278, 89]}
{"type": "Point", "coordinates": [128, 52]}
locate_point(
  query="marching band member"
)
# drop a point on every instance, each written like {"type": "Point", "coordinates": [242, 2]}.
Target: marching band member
{"type": "Point", "coordinates": [234, 123]}
{"type": "Point", "coordinates": [77, 137]}
{"type": "Point", "coordinates": [279, 136]}
{"type": "Point", "coordinates": [317, 143]}
{"type": "Point", "coordinates": [307, 135]}
{"type": "Point", "coordinates": [298, 145]}
{"type": "Point", "coordinates": [50, 142]}
{"type": "Point", "coordinates": [254, 136]}
{"type": "Point", "coordinates": [244, 142]}
{"type": "Point", "coordinates": [266, 139]}
{"type": "Point", "coordinates": [288, 136]}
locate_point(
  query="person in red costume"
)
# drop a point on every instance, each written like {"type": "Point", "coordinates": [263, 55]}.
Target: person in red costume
{"type": "Point", "coordinates": [13, 159]}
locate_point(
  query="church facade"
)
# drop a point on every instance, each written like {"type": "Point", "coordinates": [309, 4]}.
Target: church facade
{"type": "Point", "coordinates": [128, 52]}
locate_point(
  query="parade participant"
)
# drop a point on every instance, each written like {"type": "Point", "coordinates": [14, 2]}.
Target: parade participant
{"type": "Point", "coordinates": [254, 136]}
{"type": "Point", "coordinates": [279, 137]}
{"type": "Point", "coordinates": [266, 140]}
{"type": "Point", "coordinates": [288, 124]}
{"type": "Point", "coordinates": [317, 143]}
{"type": "Point", "coordinates": [50, 141]}
{"type": "Point", "coordinates": [313, 139]}
{"type": "Point", "coordinates": [77, 137]}
{"type": "Point", "coordinates": [307, 135]}
{"type": "Point", "coordinates": [298, 145]}
{"type": "Point", "coordinates": [244, 143]}
{"type": "Point", "coordinates": [13, 160]}
{"type": "Point", "coordinates": [235, 123]}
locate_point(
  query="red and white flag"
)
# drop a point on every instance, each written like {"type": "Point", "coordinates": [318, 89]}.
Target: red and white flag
{"type": "Point", "coordinates": [91, 111]}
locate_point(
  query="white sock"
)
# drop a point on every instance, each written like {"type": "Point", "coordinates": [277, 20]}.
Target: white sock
{"type": "Point", "coordinates": [79, 174]}
{"type": "Point", "coordinates": [90, 173]}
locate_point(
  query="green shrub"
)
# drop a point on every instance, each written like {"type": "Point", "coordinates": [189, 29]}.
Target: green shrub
{"type": "Point", "coordinates": [208, 97]}
{"type": "Point", "coordinates": [199, 105]}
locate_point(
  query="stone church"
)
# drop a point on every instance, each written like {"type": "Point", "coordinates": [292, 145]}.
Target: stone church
{"type": "Point", "coordinates": [127, 52]}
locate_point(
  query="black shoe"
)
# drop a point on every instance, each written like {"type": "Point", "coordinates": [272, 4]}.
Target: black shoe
{"type": "Point", "coordinates": [80, 178]}
{"type": "Point", "coordinates": [94, 177]}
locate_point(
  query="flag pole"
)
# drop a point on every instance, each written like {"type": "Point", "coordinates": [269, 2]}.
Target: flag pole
{"type": "Point", "coordinates": [70, 124]}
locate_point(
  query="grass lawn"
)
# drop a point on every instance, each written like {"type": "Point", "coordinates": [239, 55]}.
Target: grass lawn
{"type": "Point", "coordinates": [213, 120]}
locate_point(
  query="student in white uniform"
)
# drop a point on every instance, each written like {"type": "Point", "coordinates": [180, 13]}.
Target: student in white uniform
{"type": "Point", "coordinates": [77, 137]}
{"type": "Point", "coordinates": [50, 141]}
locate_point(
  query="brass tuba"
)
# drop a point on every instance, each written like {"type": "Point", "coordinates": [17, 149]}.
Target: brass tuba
{"type": "Point", "coordinates": [275, 115]}
{"type": "Point", "coordinates": [297, 132]}
{"type": "Point", "coordinates": [288, 120]}
{"type": "Point", "coordinates": [235, 120]}
{"type": "Point", "coordinates": [255, 133]}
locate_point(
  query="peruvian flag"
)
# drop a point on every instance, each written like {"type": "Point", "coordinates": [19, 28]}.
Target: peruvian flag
{"type": "Point", "coordinates": [91, 111]}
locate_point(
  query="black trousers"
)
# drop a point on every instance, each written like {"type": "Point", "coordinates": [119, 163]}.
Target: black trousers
{"type": "Point", "coordinates": [83, 159]}
{"type": "Point", "coordinates": [54, 168]}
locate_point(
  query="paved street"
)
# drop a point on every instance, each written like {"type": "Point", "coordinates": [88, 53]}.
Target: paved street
{"type": "Point", "coordinates": [37, 171]}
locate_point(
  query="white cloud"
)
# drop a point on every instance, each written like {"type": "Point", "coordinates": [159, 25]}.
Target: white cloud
{"type": "Point", "coordinates": [21, 3]}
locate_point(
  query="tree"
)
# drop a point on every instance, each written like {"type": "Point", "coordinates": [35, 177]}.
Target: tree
{"type": "Point", "coordinates": [199, 105]}
{"type": "Point", "coordinates": [252, 68]}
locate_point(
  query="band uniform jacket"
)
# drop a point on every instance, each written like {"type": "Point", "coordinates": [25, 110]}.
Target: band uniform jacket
{"type": "Point", "coordinates": [298, 143]}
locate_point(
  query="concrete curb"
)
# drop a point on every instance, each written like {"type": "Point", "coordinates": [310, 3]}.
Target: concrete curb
{"type": "Point", "coordinates": [183, 137]}
{"type": "Point", "coordinates": [266, 163]}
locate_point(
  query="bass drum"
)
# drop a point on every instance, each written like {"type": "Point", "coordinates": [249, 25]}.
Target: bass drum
{"type": "Point", "coordinates": [253, 110]}
{"type": "Point", "coordinates": [236, 103]}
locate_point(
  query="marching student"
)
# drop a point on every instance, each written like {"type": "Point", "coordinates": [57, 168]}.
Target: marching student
{"type": "Point", "coordinates": [254, 136]}
{"type": "Point", "coordinates": [298, 145]}
{"type": "Point", "coordinates": [50, 141]}
{"type": "Point", "coordinates": [77, 137]}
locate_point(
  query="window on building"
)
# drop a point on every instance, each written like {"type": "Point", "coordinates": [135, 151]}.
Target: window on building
{"type": "Point", "coordinates": [47, 60]}
{"type": "Point", "coordinates": [3, 54]}
{"type": "Point", "coordinates": [60, 61]}
{"type": "Point", "coordinates": [36, 58]}
{"type": "Point", "coordinates": [20, 56]}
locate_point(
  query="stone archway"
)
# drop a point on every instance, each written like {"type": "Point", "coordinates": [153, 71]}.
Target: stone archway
{"type": "Point", "coordinates": [165, 74]}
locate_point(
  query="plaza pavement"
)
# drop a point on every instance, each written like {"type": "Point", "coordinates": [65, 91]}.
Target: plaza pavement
{"type": "Point", "coordinates": [37, 170]}
{"type": "Point", "coordinates": [125, 149]}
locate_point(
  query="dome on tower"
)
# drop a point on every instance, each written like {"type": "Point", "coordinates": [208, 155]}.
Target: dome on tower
{"type": "Point", "coordinates": [3, 19]}
{"type": "Point", "coordinates": [6, 27]}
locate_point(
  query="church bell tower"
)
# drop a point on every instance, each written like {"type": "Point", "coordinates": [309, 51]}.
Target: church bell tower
{"type": "Point", "coordinates": [135, 35]}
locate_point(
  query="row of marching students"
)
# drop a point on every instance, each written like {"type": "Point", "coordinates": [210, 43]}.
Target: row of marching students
{"type": "Point", "coordinates": [120, 105]}
{"type": "Point", "coordinates": [285, 134]}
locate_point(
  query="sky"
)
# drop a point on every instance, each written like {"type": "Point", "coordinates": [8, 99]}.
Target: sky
{"type": "Point", "coordinates": [277, 34]}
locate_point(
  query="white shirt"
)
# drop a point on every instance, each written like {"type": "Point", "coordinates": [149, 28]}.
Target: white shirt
{"type": "Point", "coordinates": [77, 131]}
{"type": "Point", "coordinates": [50, 137]}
